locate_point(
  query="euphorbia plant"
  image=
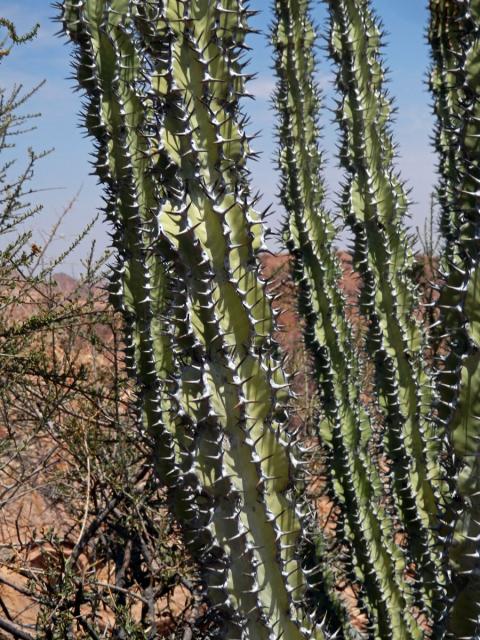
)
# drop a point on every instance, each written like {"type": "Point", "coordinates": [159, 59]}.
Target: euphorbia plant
{"type": "Point", "coordinates": [163, 82]}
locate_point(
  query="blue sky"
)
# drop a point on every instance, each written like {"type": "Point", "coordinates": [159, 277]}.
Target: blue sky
{"type": "Point", "coordinates": [66, 170]}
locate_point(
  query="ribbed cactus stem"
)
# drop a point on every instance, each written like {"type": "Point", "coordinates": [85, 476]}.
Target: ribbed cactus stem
{"type": "Point", "coordinates": [448, 59]}
{"type": "Point", "coordinates": [455, 39]}
{"type": "Point", "coordinates": [375, 203]}
{"type": "Point", "coordinates": [163, 84]}
{"type": "Point", "coordinates": [374, 562]}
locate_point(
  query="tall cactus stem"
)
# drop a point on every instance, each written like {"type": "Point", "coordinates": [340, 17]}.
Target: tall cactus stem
{"type": "Point", "coordinates": [163, 84]}
{"type": "Point", "coordinates": [358, 487]}
{"type": "Point", "coordinates": [455, 40]}
{"type": "Point", "coordinates": [374, 202]}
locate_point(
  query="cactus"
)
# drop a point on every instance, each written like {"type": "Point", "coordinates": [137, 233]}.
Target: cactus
{"type": "Point", "coordinates": [444, 32]}
{"type": "Point", "coordinates": [380, 566]}
{"type": "Point", "coordinates": [455, 38]}
{"type": "Point", "coordinates": [163, 83]}
{"type": "Point", "coordinates": [162, 86]}
{"type": "Point", "coordinates": [374, 204]}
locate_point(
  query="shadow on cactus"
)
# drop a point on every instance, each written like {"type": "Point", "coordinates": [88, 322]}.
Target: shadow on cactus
{"type": "Point", "coordinates": [392, 447]}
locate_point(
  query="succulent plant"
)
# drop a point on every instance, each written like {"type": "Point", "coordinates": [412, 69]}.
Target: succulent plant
{"type": "Point", "coordinates": [377, 565]}
{"type": "Point", "coordinates": [455, 81]}
{"type": "Point", "coordinates": [163, 82]}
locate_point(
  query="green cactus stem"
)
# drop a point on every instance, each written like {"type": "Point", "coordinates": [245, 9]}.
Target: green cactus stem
{"type": "Point", "coordinates": [374, 563]}
{"type": "Point", "coordinates": [374, 203]}
{"type": "Point", "coordinates": [162, 83]}
{"type": "Point", "coordinates": [455, 39]}
{"type": "Point", "coordinates": [444, 34]}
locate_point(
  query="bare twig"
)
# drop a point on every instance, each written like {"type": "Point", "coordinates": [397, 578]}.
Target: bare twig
{"type": "Point", "coordinates": [15, 630]}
